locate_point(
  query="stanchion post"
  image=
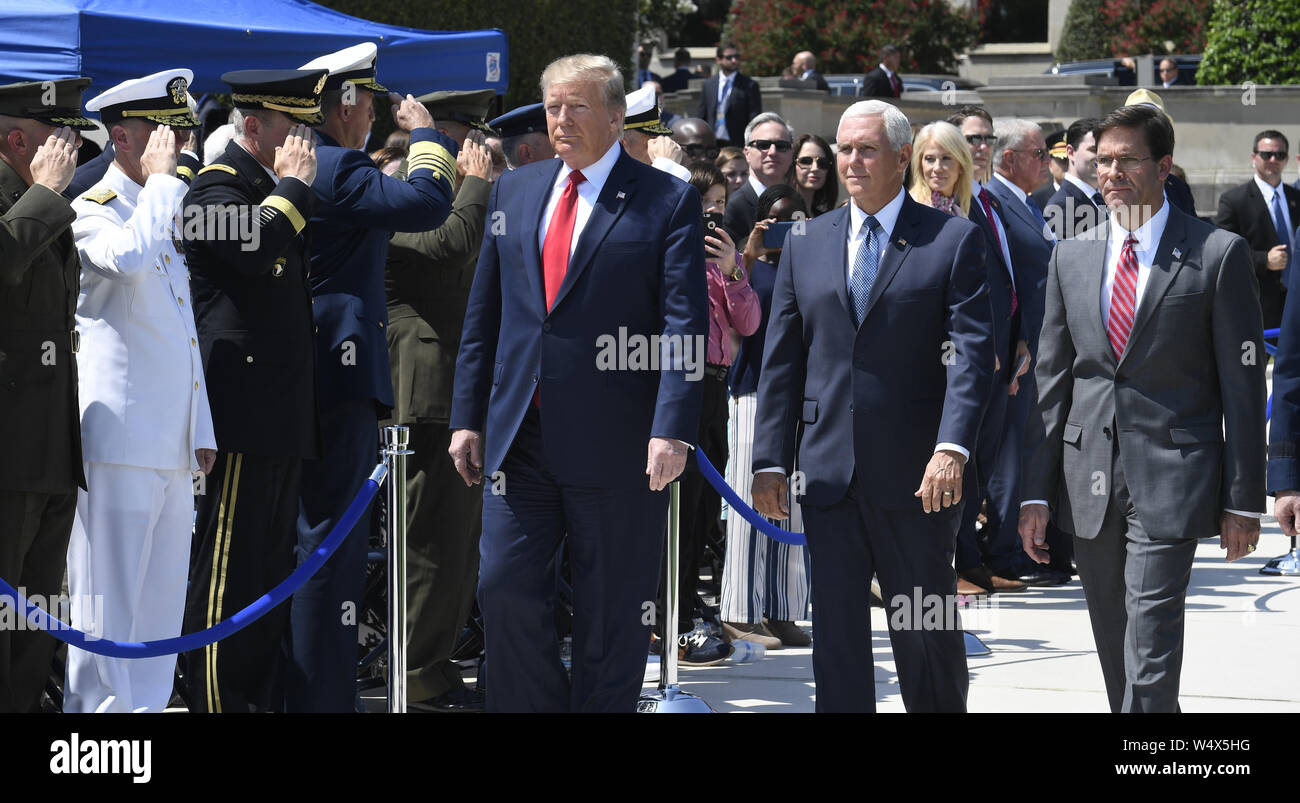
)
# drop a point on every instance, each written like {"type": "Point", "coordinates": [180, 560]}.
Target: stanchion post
{"type": "Point", "coordinates": [396, 440]}
{"type": "Point", "coordinates": [669, 699]}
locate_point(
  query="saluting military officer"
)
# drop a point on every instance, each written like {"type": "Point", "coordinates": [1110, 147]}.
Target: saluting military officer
{"type": "Point", "coordinates": [187, 164]}
{"type": "Point", "coordinates": [40, 433]}
{"type": "Point", "coordinates": [359, 209]}
{"type": "Point", "coordinates": [252, 306]}
{"type": "Point", "coordinates": [429, 275]}
{"type": "Point", "coordinates": [145, 423]}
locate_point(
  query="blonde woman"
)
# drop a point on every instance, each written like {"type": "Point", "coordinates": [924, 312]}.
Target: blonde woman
{"type": "Point", "coordinates": [942, 171]}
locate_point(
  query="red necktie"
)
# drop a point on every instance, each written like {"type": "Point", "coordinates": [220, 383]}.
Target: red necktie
{"type": "Point", "coordinates": [555, 248]}
{"type": "Point", "coordinates": [559, 236]}
{"type": "Point", "coordinates": [897, 85]}
{"type": "Point", "coordinates": [1123, 298]}
{"type": "Point", "coordinates": [993, 224]}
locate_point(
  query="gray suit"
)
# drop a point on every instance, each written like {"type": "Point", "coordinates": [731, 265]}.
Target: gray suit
{"type": "Point", "coordinates": [1139, 457]}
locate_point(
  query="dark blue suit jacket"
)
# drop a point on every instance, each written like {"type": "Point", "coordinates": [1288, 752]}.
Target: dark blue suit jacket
{"type": "Point", "coordinates": [998, 277]}
{"type": "Point", "coordinates": [1030, 252]}
{"type": "Point", "coordinates": [636, 271]}
{"type": "Point", "coordinates": [1070, 212]}
{"type": "Point", "coordinates": [359, 209]}
{"type": "Point", "coordinates": [917, 372]}
{"type": "Point", "coordinates": [1284, 416]}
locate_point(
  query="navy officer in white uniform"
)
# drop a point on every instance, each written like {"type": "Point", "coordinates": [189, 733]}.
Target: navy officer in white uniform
{"type": "Point", "coordinates": [145, 422]}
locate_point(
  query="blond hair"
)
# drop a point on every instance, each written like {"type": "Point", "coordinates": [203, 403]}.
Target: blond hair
{"type": "Point", "coordinates": [948, 137]}
{"type": "Point", "coordinates": [587, 67]}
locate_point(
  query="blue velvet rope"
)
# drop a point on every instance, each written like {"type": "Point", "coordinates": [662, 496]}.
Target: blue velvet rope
{"type": "Point", "coordinates": [746, 512]}
{"type": "Point", "coordinates": [39, 619]}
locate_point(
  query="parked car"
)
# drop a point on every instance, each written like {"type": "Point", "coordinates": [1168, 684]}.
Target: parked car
{"type": "Point", "coordinates": [1124, 76]}
{"type": "Point", "coordinates": [850, 84]}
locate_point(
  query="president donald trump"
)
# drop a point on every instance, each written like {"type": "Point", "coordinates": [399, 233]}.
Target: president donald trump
{"type": "Point", "coordinates": [878, 365]}
{"type": "Point", "coordinates": [583, 251]}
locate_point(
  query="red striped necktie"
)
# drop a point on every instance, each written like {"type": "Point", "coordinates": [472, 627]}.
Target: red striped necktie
{"type": "Point", "coordinates": [1123, 298]}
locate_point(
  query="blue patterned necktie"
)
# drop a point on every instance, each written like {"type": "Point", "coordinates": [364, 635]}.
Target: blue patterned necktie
{"type": "Point", "coordinates": [865, 265]}
{"type": "Point", "coordinates": [1283, 236]}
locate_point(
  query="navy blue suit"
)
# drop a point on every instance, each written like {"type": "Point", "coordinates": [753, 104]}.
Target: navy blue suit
{"type": "Point", "coordinates": [917, 372]}
{"type": "Point", "coordinates": [1284, 418]}
{"type": "Point", "coordinates": [1070, 212]}
{"type": "Point", "coordinates": [576, 465]}
{"type": "Point", "coordinates": [359, 208]}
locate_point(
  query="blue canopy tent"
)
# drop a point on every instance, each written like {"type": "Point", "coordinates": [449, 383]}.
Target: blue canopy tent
{"type": "Point", "coordinates": [113, 40]}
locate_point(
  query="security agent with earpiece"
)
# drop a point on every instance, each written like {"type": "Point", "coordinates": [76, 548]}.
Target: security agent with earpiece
{"type": "Point", "coordinates": [252, 306]}
{"type": "Point", "coordinates": [359, 208]}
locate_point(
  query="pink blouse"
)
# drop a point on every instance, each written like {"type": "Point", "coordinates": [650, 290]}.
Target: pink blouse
{"type": "Point", "coordinates": [732, 305]}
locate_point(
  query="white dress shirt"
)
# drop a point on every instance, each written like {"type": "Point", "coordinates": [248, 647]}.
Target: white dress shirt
{"type": "Point", "coordinates": [1016, 191]}
{"type": "Point", "coordinates": [1148, 237]}
{"type": "Point", "coordinates": [142, 394]}
{"type": "Point", "coordinates": [596, 175]}
{"type": "Point", "coordinates": [1083, 185]}
{"type": "Point", "coordinates": [1268, 192]}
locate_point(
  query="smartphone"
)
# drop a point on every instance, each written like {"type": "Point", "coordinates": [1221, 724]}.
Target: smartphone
{"type": "Point", "coordinates": [775, 235]}
{"type": "Point", "coordinates": [712, 221]}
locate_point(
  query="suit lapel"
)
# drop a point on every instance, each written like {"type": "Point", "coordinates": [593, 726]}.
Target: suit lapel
{"type": "Point", "coordinates": [533, 213]}
{"type": "Point", "coordinates": [1166, 264]}
{"type": "Point", "coordinates": [839, 274]}
{"type": "Point", "coordinates": [894, 251]}
{"type": "Point", "coordinates": [614, 197]}
{"type": "Point", "coordinates": [1093, 282]}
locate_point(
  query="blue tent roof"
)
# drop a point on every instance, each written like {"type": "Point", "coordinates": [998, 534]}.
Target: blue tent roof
{"type": "Point", "coordinates": [113, 40]}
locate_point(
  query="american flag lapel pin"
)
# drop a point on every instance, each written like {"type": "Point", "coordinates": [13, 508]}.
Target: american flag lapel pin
{"type": "Point", "coordinates": [621, 195]}
{"type": "Point", "coordinates": [1178, 254]}
{"type": "Point", "coordinates": [902, 242]}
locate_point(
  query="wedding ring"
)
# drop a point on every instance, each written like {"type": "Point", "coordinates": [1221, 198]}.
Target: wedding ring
{"type": "Point", "coordinates": [1250, 548]}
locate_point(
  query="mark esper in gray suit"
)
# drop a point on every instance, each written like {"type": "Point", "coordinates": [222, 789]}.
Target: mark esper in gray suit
{"type": "Point", "coordinates": [1149, 431]}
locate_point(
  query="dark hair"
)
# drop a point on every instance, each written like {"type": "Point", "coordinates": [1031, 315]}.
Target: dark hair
{"type": "Point", "coordinates": [1270, 134]}
{"type": "Point", "coordinates": [681, 56]}
{"type": "Point", "coordinates": [1152, 122]}
{"type": "Point", "coordinates": [727, 154]}
{"type": "Point", "coordinates": [889, 50]}
{"type": "Point", "coordinates": [724, 47]}
{"type": "Point", "coordinates": [825, 198]}
{"type": "Point", "coordinates": [1079, 129]}
{"type": "Point", "coordinates": [775, 193]}
{"type": "Point", "coordinates": [387, 154]}
{"type": "Point", "coordinates": [970, 110]}
{"type": "Point", "coordinates": [705, 175]}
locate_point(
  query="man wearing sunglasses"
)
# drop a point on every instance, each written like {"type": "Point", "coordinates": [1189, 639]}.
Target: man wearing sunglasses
{"type": "Point", "coordinates": [769, 150]}
{"type": "Point", "coordinates": [729, 99]}
{"type": "Point", "coordinates": [1265, 212]}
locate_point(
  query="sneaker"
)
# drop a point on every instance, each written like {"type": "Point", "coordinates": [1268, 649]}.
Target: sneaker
{"type": "Point", "coordinates": [744, 631]}
{"type": "Point", "coordinates": [790, 634]}
{"type": "Point", "coordinates": [700, 649]}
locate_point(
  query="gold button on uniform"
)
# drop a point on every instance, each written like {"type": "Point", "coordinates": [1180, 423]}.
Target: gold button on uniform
{"type": "Point", "coordinates": [167, 259]}
{"type": "Point", "coordinates": [196, 385]}
{"type": "Point", "coordinates": [193, 342]}
{"type": "Point", "coordinates": [180, 300]}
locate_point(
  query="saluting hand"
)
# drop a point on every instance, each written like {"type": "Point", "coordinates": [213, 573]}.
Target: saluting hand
{"type": "Point", "coordinates": [409, 113]}
{"type": "Point", "coordinates": [159, 155]}
{"type": "Point", "coordinates": [664, 147]}
{"type": "Point", "coordinates": [56, 160]}
{"type": "Point", "coordinates": [474, 158]}
{"type": "Point", "coordinates": [296, 158]}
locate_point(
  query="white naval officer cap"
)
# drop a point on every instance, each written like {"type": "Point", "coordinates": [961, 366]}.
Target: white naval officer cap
{"type": "Point", "coordinates": [643, 113]}
{"type": "Point", "coordinates": [161, 98]}
{"type": "Point", "coordinates": [355, 65]}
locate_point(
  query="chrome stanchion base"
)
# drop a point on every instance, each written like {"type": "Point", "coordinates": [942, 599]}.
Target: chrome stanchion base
{"type": "Point", "coordinates": [974, 647]}
{"type": "Point", "coordinates": [671, 700]}
{"type": "Point", "coordinates": [1288, 564]}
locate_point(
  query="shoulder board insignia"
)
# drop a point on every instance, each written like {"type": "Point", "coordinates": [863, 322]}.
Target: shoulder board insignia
{"type": "Point", "coordinates": [100, 196]}
{"type": "Point", "coordinates": [221, 167]}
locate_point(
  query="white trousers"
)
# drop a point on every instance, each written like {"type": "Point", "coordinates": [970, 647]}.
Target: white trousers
{"type": "Point", "coordinates": [761, 577]}
{"type": "Point", "coordinates": [128, 558]}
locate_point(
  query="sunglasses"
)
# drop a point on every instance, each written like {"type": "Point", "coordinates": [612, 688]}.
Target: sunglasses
{"type": "Point", "coordinates": [1277, 156]}
{"type": "Point", "coordinates": [730, 56]}
{"type": "Point", "coordinates": [809, 161]}
{"type": "Point", "coordinates": [781, 145]}
{"type": "Point", "coordinates": [701, 151]}
{"type": "Point", "coordinates": [1039, 154]}
{"type": "Point", "coordinates": [981, 139]}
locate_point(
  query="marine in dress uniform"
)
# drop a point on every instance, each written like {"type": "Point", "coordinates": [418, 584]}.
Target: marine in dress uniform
{"type": "Point", "coordinates": [252, 305]}
{"type": "Point", "coordinates": [145, 423]}
{"type": "Point", "coordinates": [40, 434]}
{"type": "Point", "coordinates": [427, 281]}
{"type": "Point", "coordinates": [359, 209]}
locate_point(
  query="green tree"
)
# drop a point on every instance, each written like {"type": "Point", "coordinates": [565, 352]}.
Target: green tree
{"type": "Point", "coordinates": [1156, 26]}
{"type": "Point", "coordinates": [537, 32]}
{"type": "Point", "coordinates": [846, 35]}
{"type": "Point", "coordinates": [1252, 40]}
{"type": "Point", "coordinates": [1082, 36]}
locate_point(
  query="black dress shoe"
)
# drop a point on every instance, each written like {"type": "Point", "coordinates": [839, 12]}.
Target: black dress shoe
{"type": "Point", "coordinates": [456, 701]}
{"type": "Point", "coordinates": [1040, 575]}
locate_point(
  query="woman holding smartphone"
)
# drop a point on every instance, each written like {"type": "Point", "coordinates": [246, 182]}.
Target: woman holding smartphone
{"type": "Point", "coordinates": [764, 582]}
